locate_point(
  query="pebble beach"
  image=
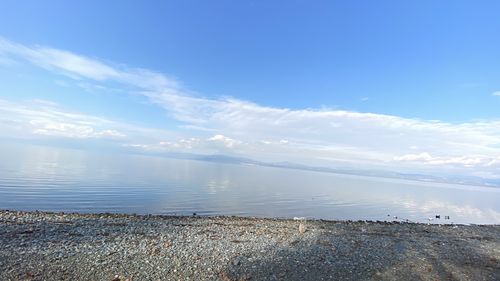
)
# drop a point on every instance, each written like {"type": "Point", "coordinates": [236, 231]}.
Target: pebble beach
{"type": "Point", "coordinates": [119, 247]}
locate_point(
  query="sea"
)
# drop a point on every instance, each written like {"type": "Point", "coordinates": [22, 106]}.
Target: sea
{"type": "Point", "coordinates": [69, 180]}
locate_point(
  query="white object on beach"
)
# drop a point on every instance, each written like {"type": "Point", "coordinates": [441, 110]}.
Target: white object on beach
{"type": "Point", "coordinates": [302, 228]}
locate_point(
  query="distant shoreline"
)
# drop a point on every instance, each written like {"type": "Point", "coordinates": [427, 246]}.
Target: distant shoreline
{"type": "Point", "coordinates": [373, 173]}
{"type": "Point", "coordinates": [49, 245]}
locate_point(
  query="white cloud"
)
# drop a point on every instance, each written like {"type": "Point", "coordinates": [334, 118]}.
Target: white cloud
{"type": "Point", "coordinates": [50, 128]}
{"type": "Point", "coordinates": [77, 129]}
{"type": "Point", "coordinates": [183, 145]}
{"type": "Point", "coordinates": [136, 145]}
{"type": "Point", "coordinates": [465, 161]}
{"type": "Point", "coordinates": [111, 133]}
{"type": "Point", "coordinates": [81, 67]}
{"type": "Point", "coordinates": [214, 144]}
{"type": "Point", "coordinates": [227, 142]}
{"type": "Point", "coordinates": [68, 62]}
{"type": "Point", "coordinates": [379, 132]}
{"type": "Point", "coordinates": [496, 94]}
{"type": "Point", "coordinates": [45, 118]}
{"type": "Point", "coordinates": [424, 156]}
{"type": "Point", "coordinates": [311, 136]}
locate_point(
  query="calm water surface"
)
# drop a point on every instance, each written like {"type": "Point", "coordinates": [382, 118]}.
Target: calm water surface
{"type": "Point", "coordinates": [42, 178]}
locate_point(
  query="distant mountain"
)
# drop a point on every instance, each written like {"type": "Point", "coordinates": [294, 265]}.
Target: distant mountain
{"type": "Point", "coordinates": [391, 174]}
{"type": "Point", "coordinates": [218, 158]}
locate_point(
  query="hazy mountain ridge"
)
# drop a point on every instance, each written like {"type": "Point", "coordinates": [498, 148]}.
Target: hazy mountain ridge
{"type": "Point", "coordinates": [219, 158]}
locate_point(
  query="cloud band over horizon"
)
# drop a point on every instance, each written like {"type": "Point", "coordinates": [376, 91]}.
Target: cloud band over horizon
{"type": "Point", "coordinates": [227, 125]}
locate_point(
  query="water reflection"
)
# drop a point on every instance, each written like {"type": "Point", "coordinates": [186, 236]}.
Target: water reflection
{"type": "Point", "coordinates": [68, 180]}
{"type": "Point", "coordinates": [460, 212]}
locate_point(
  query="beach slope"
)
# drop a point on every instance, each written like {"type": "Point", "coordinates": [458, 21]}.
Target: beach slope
{"type": "Point", "coordinates": [57, 246]}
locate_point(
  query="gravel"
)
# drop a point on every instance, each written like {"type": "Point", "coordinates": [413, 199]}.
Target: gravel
{"type": "Point", "coordinates": [59, 246]}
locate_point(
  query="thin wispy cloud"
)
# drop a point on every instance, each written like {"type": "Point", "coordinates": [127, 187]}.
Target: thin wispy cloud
{"type": "Point", "coordinates": [234, 126]}
{"type": "Point", "coordinates": [80, 67]}
{"type": "Point", "coordinates": [496, 94]}
{"type": "Point", "coordinates": [40, 118]}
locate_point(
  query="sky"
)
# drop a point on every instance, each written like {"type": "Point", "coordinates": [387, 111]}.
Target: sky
{"type": "Point", "coordinates": [408, 86]}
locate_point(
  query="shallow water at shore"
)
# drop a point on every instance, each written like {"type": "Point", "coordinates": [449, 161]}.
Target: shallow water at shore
{"type": "Point", "coordinates": [41, 178]}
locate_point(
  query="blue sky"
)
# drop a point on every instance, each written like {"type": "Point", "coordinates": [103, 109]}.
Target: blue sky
{"type": "Point", "coordinates": [394, 84]}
